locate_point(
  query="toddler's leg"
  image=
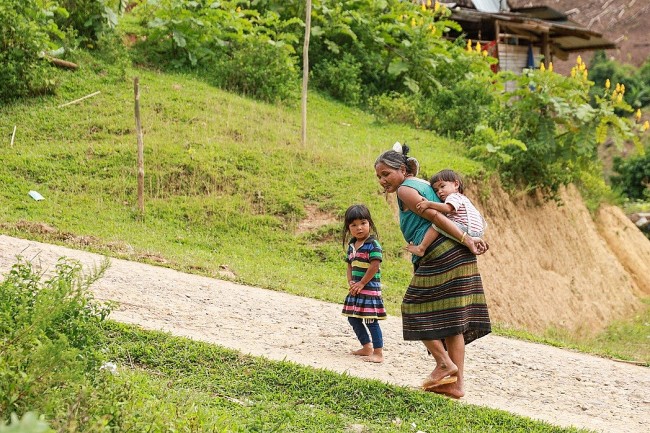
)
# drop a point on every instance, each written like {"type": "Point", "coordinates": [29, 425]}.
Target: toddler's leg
{"type": "Point", "coordinates": [377, 342]}
{"type": "Point", "coordinates": [362, 335]}
{"type": "Point", "coordinates": [419, 250]}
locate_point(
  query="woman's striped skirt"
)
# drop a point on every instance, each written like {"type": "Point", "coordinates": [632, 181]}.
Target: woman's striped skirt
{"type": "Point", "coordinates": [445, 296]}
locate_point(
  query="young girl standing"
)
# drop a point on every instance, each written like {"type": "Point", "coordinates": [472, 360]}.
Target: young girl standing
{"type": "Point", "coordinates": [364, 306]}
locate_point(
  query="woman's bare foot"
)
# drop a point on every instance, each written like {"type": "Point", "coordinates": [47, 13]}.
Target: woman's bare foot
{"type": "Point", "coordinates": [366, 350]}
{"type": "Point", "coordinates": [441, 375]}
{"type": "Point", "coordinates": [451, 390]}
{"type": "Point", "coordinates": [376, 357]}
{"type": "Point", "coordinates": [416, 250]}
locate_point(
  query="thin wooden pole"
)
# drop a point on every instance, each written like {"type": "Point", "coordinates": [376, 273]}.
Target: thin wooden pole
{"type": "Point", "coordinates": [138, 130]}
{"type": "Point", "coordinates": [547, 49]}
{"type": "Point", "coordinates": [13, 136]}
{"type": "Point", "coordinates": [305, 72]}
{"type": "Point", "coordinates": [80, 99]}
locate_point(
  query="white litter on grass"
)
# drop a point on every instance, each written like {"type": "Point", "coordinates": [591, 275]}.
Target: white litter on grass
{"type": "Point", "coordinates": [36, 196]}
{"type": "Point", "coordinates": [110, 367]}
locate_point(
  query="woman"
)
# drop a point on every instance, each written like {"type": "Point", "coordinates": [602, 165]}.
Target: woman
{"type": "Point", "coordinates": [444, 305]}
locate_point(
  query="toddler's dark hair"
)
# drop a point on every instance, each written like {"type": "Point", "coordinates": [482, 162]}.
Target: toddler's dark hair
{"type": "Point", "coordinates": [356, 212]}
{"type": "Point", "coordinates": [448, 176]}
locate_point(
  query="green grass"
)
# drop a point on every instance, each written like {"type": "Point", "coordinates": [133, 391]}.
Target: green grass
{"type": "Point", "coordinates": [625, 340]}
{"type": "Point", "coordinates": [227, 183]}
{"type": "Point", "coordinates": [198, 383]}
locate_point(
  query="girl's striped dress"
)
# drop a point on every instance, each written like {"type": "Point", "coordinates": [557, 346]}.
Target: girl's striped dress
{"type": "Point", "coordinates": [368, 304]}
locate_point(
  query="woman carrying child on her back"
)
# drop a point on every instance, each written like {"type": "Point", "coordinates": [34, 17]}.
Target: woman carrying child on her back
{"type": "Point", "coordinates": [448, 185]}
{"type": "Point", "coordinates": [364, 305]}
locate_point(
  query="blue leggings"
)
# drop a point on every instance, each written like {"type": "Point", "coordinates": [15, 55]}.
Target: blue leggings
{"type": "Point", "coordinates": [362, 333]}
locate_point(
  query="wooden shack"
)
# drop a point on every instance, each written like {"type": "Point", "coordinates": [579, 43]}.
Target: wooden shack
{"type": "Point", "coordinates": [523, 37]}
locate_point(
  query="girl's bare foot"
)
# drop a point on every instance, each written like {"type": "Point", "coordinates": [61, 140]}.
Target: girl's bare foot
{"type": "Point", "coordinates": [366, 350]}
{"type": "Point", "coordinates": [376, 357]}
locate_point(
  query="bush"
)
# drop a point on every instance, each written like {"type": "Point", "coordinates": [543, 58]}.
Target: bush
{"type": "Point", "coordinates": [633, 176]}
{"type": "Point", "coordinates": [394, 108]}
{"type": "Point", "coordinates": [259, 69]}
{"type": "Point", "coordinates": [456, 110]}
{"type": "Point", "coordinates": [50, 331]}
{"type": "Point", "coordinates": [552, 116]}
{"type": "Point", "coordinates": [89, 19]}
{"type": "Point", "coordinates": [26, 30]}
{"type": "Point", "coordinates": [636, 81]}
{"type": "Point", "coordinates": [339, 78]}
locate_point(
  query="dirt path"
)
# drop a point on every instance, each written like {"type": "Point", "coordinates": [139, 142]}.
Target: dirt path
{"type": "Point", "coordinates": [542, 382]}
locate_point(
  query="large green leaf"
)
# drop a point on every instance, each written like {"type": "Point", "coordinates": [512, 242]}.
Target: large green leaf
{"type": "Point", "coordinates": [397, 66]}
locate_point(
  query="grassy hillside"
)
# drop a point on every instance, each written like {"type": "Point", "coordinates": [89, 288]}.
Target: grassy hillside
{"type": "Point", "coordinates": [227, 179]}
{"type": "Point", "coordinates": [227, 183]}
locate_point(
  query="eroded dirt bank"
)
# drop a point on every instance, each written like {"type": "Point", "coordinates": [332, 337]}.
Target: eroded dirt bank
{"type": "Point", "coordinates": [553, 266]}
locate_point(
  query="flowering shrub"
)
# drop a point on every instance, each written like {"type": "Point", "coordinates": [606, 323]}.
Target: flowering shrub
{"type": "Point", "coordinates": [556, 131]}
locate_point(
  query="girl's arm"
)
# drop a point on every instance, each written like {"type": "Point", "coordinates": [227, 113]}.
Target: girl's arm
{"type": "Point", "coordinates": [355, 288]}
{"type": "Point", "coordinates": [410, 198]}
{"type": "Point", "coordinates": [440, 207]}
{"type": "Point", "coordinates": [350, 282]}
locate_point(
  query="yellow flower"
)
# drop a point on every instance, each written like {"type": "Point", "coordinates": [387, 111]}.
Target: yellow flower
{"type": "Point", "coordinates": [478, 47]}
{"type": "Point", "coordinates": [579, 60]}
{"type": "Point", "coordinates": [412, 22]}
{"type": "Point", "coordinates": [638, 114]}
{"type": "Point", "coordinates": [542, 67]}
{"type": "Point", "coordinates": [424, 7]}
{"type": "Point", "coordinates": [646, 125]}
{"type": "Point", "coordinates": [618, 87]}
{"type": "Point", "coordinates": [585, 74]}
{"type": "Point", "coordinates": [573, 72]}
{"type": "Point", "coordinates": [485, 53]}
{"type": "Point", "coordinates": [622, 88]}
{"type": "Point", "coordinates": [619, 98]}
{"type": "Point", "coordinates": [614, 94]}
{"type": "Point", "coordinates": [608, 84]}
{"type": "Point", "coordinates": [436, 6]}
{"type": "Point", "coordinates": [238, 9]}
{"type": "Point", "coordinates": [428, 2]}
{"type": "Point", "coordinates": [469, 45]}
{"type": "Point", "coordinates": [550, 66]}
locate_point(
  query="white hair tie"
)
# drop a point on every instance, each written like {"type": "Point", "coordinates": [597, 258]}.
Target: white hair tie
{"type": "Point", "coordinates": [397, 147]}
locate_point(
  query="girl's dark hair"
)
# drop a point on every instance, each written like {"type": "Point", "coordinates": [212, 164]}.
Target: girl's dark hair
{"type": "Point", "coordinates": [395, 160]}
{"type": "Point", "coordinates": [356, 212]}
{"type": "Point", "coordinates": [448, 176]}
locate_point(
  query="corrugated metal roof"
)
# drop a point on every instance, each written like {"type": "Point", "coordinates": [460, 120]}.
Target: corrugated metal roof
{"type": "Point", "coordinates": [487, 5]}
{"type": "Point", "coordinates": [491, 5]}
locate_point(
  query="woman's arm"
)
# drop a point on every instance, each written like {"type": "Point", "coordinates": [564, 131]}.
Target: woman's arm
{"type": "Point", "coordinates": [410, 198]}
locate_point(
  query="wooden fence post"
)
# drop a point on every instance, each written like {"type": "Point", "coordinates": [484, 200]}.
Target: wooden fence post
{"type": "Point", "coordinates": [138, 130]}
{"type": "Point", "coordinates": [305, 72]}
